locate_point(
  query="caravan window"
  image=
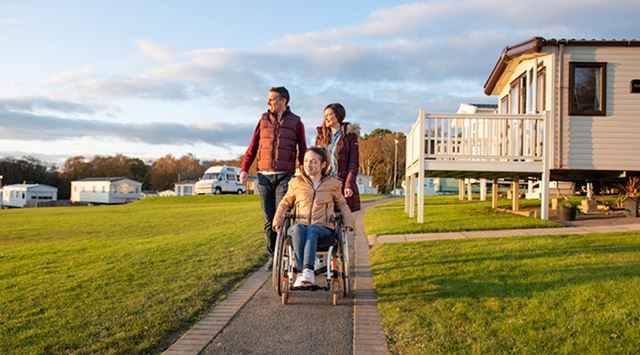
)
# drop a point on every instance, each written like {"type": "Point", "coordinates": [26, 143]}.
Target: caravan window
{"type": "Point", "coordinates": [518, 95]}
{"type": "Point", "coordinates": [504, 104]}
{"type": "Point", "coordinates": [210, 176]}
{"type": "Point", "coordinates": [587, 94]}
{"type": "Point", "coordinates": [541, 92]}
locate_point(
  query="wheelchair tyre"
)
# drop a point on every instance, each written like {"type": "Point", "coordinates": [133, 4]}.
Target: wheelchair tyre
{"type": "Point", "coordinates": [284, 297]}
{"type": "Point", "coordinates": [276, 272]}
{"type": "Point", "coordinates": [346, 276]}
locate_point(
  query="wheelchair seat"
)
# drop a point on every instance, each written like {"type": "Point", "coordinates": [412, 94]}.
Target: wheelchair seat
{"type": "Point", "coordinates": [323, 246]}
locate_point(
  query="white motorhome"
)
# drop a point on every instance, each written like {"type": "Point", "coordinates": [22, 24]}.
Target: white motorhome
{"type": "Point", "coordinates": [220, 179]}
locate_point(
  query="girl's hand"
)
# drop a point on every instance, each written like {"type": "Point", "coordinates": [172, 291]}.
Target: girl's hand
{"type": "Point", "coordinates": [276, 228]}
{"type": "Point", "coordinates": [348, 192]}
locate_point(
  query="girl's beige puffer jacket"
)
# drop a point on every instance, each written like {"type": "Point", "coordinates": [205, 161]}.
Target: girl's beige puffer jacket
{"type": "Point", "coordinates": [314, 206]}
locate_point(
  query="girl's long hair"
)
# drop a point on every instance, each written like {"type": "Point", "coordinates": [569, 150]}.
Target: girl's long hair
{"type": "Point", "coordinates": [324, 158]}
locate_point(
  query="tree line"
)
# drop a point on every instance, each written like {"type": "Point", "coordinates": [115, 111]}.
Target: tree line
{"type": "Point", "coordinates": [377, 159]}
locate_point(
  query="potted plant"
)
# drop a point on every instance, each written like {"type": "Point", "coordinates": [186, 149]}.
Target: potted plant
{"type": "Point", "coordinates": [629, 195]}
{"type": "Point", "coordinates": [566, 210]}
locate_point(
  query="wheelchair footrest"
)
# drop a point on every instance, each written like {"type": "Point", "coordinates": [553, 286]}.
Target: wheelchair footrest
{"type": "Point", "coordinates": [313, 287]}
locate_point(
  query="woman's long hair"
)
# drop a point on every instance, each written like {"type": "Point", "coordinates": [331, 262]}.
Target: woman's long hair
{"type": "Point", "coordinates": [340, 113]}
{"type": "Point", "coordinates": [324, 158]}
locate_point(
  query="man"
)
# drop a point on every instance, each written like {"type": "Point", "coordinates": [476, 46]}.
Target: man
{"type": "Point", "coordinates": [274, 143]}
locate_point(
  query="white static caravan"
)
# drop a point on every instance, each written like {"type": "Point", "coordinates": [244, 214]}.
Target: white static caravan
{"type": "Point", "coordinates": [591, 88]}
{"type": "Point", "coordinates": [568, 111]}
{"type": "Point", "coordinates": [185, 188]}
{"type": "Point", "coordinates": [19, 195]}
{"type": "Point", "coordinates": [166, 193]}
{"type": "Point", "coordinates": [365, 184]}
{"type": "Point", "coordinates": [110, 190]}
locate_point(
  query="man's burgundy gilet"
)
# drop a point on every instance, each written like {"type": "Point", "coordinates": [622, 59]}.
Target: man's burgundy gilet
{"type": "Point", "coordinates": [278, 140]}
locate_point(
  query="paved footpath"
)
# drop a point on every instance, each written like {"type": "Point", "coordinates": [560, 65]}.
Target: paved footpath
{"type": "Point", "coordinates": [252, 320]}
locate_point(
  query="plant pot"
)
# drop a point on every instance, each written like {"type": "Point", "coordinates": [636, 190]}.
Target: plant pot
{"type": "Point", "coordinates": [566, 213]}
{"type": "Point", "coordinates": [631, 206]}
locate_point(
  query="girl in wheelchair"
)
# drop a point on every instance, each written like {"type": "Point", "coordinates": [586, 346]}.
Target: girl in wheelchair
{"type": "Point", "coordinates": [314, 194]}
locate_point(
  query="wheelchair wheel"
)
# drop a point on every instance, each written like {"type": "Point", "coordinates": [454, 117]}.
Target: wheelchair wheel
{"type": "Point", "coordinates": [345, 273]}
{"type": "Point", "coordinates": [285, 266]}
{"type": "Point", "coordinates": [277, 263]}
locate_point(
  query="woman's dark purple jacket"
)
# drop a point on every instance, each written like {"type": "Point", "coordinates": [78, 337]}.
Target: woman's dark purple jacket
{"type": "Point", "coordinates": [348, 160]}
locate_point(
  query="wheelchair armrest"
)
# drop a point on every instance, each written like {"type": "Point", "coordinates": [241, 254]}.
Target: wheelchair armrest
{"type": "Point", "coordinates": [337, 217]}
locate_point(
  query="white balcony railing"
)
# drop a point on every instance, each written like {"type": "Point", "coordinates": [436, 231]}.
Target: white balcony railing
{"type": "Point", "coordinates": [475, 144]}
{"type": "Point", "coordinates": [477, 137]}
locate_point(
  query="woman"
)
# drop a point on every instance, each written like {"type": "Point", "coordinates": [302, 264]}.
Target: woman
{"type": "Point", "coordinates": [314, 194]}
{"type": "Point", "coordinates": [341, 140]}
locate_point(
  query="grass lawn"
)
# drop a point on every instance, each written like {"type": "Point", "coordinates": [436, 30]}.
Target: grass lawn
{"type": "Point", "coordinates": [448, 214]}
{"type": "Point", "coordinates": [121, 279]}
{"type": "Point", "coordinates": [531, 295]}
{"type": "Point", "coordinates": [372, 197]}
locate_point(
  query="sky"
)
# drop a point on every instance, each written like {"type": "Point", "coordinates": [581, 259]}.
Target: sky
{"type": "Point", "coordinates": [151, 78]}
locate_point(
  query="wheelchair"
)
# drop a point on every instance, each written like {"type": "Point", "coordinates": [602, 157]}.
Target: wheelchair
{"type": "Point", "coordinates": [334, 256]}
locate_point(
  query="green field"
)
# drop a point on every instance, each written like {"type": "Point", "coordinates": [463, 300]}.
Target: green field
{"type": "Point", "coordinates": [448, 214]}
{"type": "Point", "coordinates": [531, 295]}
{"type": "Point", "coordinates": [121, 279]}
{"type": "Point", "coordinates": [372, 197]}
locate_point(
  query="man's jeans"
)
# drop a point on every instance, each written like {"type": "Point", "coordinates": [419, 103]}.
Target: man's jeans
{"type": "Point", "coordinates": [305, 240]}
{"type": "Point", "coordinates": [271, 189]}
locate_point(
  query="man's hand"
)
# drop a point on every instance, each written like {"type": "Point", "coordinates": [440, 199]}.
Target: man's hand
{"type": "Point", "coordinates": [347, 192]}
{"type": "Point", "coordinates": [276, 227]}
{"type": "Point", "coordinates": [243, 177]}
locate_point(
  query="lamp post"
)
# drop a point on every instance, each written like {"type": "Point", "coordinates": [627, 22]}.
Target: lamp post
{"type": "Point", "coordinates": [395, 166]}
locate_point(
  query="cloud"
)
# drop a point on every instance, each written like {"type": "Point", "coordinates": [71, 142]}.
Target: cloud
{"type": "Point", "coordinates": [411, 44]}
{"type": "Point", "coordinates": [27, 126]}
{"type": "Point", "coordinates": [433, 55]}
{"type": "Point", "coordinates": [156, 51]}
{"type": "Point", "coordinates": [47, 159]}
{"type": "Point", "coordinates": [141, 87]}
{"type": "Point", "coordinates": [37, 103]}
{"type": "Point", "coordinates": [71, 76]}
{"type": "Point", "coordinates": [10, 22]}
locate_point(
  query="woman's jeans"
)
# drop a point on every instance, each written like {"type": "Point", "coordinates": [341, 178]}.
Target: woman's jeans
{"type": "Point", "coordinates": [305, 239]}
